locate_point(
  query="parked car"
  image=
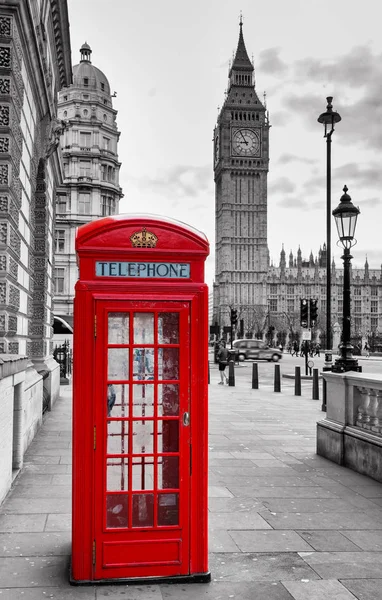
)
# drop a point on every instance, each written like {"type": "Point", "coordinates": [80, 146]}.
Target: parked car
{"type": "Point", "coordinates": [255, 350]}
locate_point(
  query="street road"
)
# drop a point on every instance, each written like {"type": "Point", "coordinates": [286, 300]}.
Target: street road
{"type": "Point", "coordinates": [243, 370]}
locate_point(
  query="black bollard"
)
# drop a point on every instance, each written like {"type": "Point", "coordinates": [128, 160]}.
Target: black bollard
{"type": "Point", "coordinates": [277, 386]}
{"type": "Point", "coordinates": [255, 377]}
{"type": "Point", "coordinates": [316, 393]}
{"type": "Point", "coordinates": [297, 381]}
{"type": "Point", "coordinates": [231, 373]}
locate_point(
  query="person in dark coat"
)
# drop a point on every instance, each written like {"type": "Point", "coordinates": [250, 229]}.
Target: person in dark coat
{"type": "Point", "coordinates": [223, 362]}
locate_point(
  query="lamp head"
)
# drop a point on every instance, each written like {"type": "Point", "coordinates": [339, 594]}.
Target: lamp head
{"type": "Point", "coordinates": [329, 118]}
{"type": "Point", "coordinates": [346, 215]}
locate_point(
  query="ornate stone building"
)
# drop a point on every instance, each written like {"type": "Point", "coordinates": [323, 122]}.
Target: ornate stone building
{"type": "Point", "coordinates": [241, 157]}
{"type": "Point", "coordinates": [34, 65]}
{"type": "Point", "coordinates": [90, 152]}
{"type": "Point", "coordinates": [267, 297]}
{"type": "Point", "coordinates": [298, 278]}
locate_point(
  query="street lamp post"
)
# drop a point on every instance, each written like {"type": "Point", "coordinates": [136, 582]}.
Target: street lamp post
{"type": "Point", "coordinates": [346, 215]}
{"type": "Point", "coordinates": [328, 119]}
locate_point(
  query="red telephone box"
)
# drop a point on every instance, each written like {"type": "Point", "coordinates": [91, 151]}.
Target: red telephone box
{"type": "Point", "coordinates": [140, 402]}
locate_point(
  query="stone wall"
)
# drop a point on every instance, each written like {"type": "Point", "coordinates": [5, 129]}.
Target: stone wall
{"type": "Point", "coordinates": [20, 414]}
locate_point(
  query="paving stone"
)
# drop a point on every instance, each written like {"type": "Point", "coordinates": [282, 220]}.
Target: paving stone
{"type": "Point", "coordinates": [218, 590]}
{"type": "Point", "coordinates": [364, 589]}
{"type": "Point", "coordinates": [280, 492]}
{"type": "Point", "coordinates": [234, 505]}
{"type": "Point", "coordinates": [218, 492]}
{"type": "Point", "coordinates": [59, 522]}
{"type": "Point", "coordinates": [45, 469]}
{"type": "Point", "coordinates": [305, 505]}
{"type": "Point", "coordinates": [318, 590]}
{"type": "Point", "coordinates": [353, 520]}
{"type": "Point", "coordinates": [369, 491]}
{"type": "Point", "coordinates": [56, 593]}
{"type": "Point", "coordinates": [35, 544]}
{"type": "Point", "coordinates": [329, 541]}
{"type": "Point", "coordinates": [343, 565]}
{"type": "Point", "coordinates": [269, 541]}
{"type": "Point", "coordinates": [26, 478]}
{"type": "Point", "coordinates": [38, 491]}
{"type": "Point", "coordinates": [21, 523]}
{"type": "Point", "coordinates": [33, 572]}
{"type": "Point", "coordinates": [131, 592]}
{"type": "Point", "coordinates": [220, 540]}
{"type": "Point", "coordinates": [366, 540]}
{"type": "Point", "coordinates": [243, 567]}
{"type": "Point", "coordinates": [38, 505]}
{"type": "Point", "coordinates": [240, 520]}
{"type": "Point", "coordinates": [42, 460]}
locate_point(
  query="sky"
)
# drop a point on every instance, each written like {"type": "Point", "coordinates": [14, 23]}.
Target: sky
{"type": "Point", "coordinates": [168, 62]}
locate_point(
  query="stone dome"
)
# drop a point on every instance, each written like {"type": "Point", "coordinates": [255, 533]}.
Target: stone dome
{"type": "Point", "coordinates": [87, 76]}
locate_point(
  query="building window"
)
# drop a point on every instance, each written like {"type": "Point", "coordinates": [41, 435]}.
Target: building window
{"type": "Point", "coordinates": [290, 305]}
{"type": "Point", "coordinates": [273, 289]}
{"type": "Point", "coordinates": [85, 166]}
{"type": "Point", "coordinates": [308, 291]}
{"type": "Point", "coordinates": [323, 291]}
{"type": "Point", "coordinates": [103, 172]}
{"type": "Point", "coordinates": [84, 204]}
{"type": "Point", "coordinates": [107, 206]}
{"type": "Point", "coordinates": [61, 205]}
{"type": "Point", "coordinates": [59, 240]}
{"type": "Point", "coordinates": [357, 325]}
{"type": "Point", "coordinates": [273, 304]}
{"type": "Point", "coordinates": [357, 291]}
{"type": "Point", "coordinates": [110, 174]}
{"type": "Point", "coordinates": [357, 306]}
{"type": "Point", "coordinates": [323, 305]}
{"type": "Point", "coordinates": [290, 290]}
{"type": "Point", "coordinates": [106, 143]}
{"type": "Point", "coordinates": [59, 280]}
{"type": "Point", "coordinates": [374, 323]}
{"type": "Point", "coordinates": [102, 86]}
{"type": "Point", "coordinates": [86, 81]}
{"type": "Point", "coordinates": [374, 291]}
{"type": "Point", "coordinates": [374, 306]}
{"type": "Point", "coordinates": [85, 139]}
{"type": "Point", "coordinates": [340, 306]}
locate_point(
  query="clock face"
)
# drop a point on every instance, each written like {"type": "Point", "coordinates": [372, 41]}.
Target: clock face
{"type": "Point", "coordinates": [246, 142]}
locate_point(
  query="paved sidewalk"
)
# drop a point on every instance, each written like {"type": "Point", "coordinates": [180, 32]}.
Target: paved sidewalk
{"type": "Point", "coordinates": [284, 523]}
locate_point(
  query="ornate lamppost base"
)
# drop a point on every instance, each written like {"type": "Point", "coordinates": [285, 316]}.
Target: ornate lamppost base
{"type": "Point", "coordinates": [342, 365]}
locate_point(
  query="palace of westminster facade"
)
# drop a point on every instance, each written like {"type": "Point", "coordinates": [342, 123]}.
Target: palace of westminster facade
{"type": "Point", "coordinates": [267, 297]}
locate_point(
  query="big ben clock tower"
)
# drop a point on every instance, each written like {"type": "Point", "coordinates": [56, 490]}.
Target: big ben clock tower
{"type": "Point", "coordinates": [241, 157]}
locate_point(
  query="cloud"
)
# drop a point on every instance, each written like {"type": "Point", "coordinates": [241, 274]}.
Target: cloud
{"type": "Point", "coordinates": [356, 68]}
{"type": "Point", "coordinates": [179, 181]}
{"type": "Point", "coordinates": [286, 159]}
{"type": "Point", "coordinates": [282, 184]}
{"type": "Point", "coordinates": [355, 81]}
{"type": "Point", "coordinates": [293, 202]}
{"type": "Point", "coordinates": [371, 202]}
{"type": "Point", "coordinates": [271, 63]}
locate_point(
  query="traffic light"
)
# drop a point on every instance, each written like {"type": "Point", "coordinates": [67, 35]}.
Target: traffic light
{"type": "Point", "coordinates": [233, 316]}
{"type": "Point", "coordinates": [304, 312]}
{"type": "Point", "coordinates": [313, 312]}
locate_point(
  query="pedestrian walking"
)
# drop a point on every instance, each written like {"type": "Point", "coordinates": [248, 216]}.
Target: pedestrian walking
{"type": "Point", "coordinates": [223, 362]}
{"type": "Point", "coordinates": [367, 349]}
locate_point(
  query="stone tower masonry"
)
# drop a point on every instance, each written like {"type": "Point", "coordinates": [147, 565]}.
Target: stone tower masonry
{"type": "Point", "coordinates": [241, 158]}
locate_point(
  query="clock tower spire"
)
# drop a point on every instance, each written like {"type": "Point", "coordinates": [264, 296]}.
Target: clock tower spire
{"type": "Point", "coordinates": [241, 158]}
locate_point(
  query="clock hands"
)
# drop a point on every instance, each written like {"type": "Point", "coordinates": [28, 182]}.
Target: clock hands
{"type": "Point", "coordinates": [245, 141]}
